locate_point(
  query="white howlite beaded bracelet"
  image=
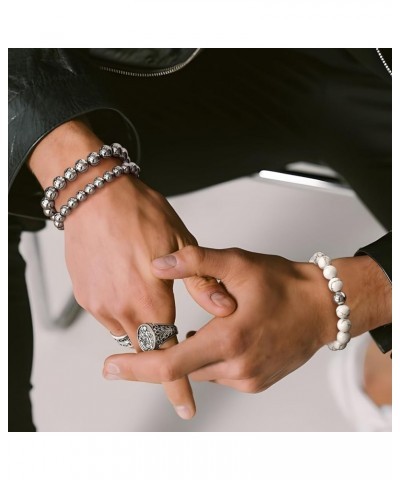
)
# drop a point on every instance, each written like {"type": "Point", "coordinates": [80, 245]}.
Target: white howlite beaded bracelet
{"type": "Point", "coordinates": [81, 166]}
{"type": "Point", "coordinates": [335, 285]}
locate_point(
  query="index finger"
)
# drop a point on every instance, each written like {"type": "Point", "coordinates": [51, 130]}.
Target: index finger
{"type": "Point", "coordinates": [193, 260]}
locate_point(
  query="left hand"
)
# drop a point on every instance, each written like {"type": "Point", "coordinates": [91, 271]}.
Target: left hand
{"type": "Point", "coordinates": [285, 314]}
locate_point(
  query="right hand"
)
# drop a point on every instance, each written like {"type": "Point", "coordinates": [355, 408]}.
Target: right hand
{"type": "Point", "coordinates": [110, 242]}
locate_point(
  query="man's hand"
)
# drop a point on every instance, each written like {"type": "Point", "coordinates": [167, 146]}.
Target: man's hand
{"type": "Point", "coordinates": [110, 241]}
{"type": "Point", "coordinates": [285, 314]}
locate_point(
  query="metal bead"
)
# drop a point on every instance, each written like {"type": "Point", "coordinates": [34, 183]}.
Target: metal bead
{"type": "Point", "coordinates": [73, 202]}
{"type": "Point", "coordinates": [117, 170]}
{"type": "Point", "coordinates": [81, 165]}
{"type": "Point", "coordinates": [126, 168]}
{"type": "Point", "coordinates": [98, 182]}
{"type": "Point", "coordinates": [339, 298]}
{"type": "Point", "coordinates": [70, 174]}
{"type": "Point", "coordinates": [135, 169]}
{"type": "Point", "coordinates": [59, 183]}
{"type": "Point", "coordinates": [93, 158]}
{"type": "Point", "coordinates": [59, 218]}
{"type": "Point", "coordinates": [51, 193]}
{"type": "Point", "coordinates": [46, 203]}
{"type": "Point", "coordinates": [59, 225]}
{"type": "Point", "coordinates": [90, 188]}
{"type": "Point", "coordinates": [124, 153]}
{"type": "Point", "coordinates": [105, 151]}
{"type": "Point", "coordinates": [81, 196]}
{"type": "Point", "coordinates": [108, 176]}
{"type": "Point", "coordinates": [49, 211]}
{"type": "Point", "coordinates": [116, 149]}
{"type": "Point", "coordinates": [52, 217]}
{"type": "Point", "coordinates": [65, 210]}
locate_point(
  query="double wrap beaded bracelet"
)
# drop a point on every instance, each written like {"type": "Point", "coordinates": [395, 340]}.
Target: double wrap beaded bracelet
{"type": "Point", "coordinates": [335, 285]}
{"type": "Point", "coordinates": [81, 166]}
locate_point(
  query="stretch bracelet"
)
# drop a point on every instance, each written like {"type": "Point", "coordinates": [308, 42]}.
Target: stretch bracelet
{"type": "Point", "coordinates": [335, 285]}
{"type": "Point", "coordinates": [81, 166]}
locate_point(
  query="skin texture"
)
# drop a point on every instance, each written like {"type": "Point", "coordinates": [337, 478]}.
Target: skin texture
{"type": "Point", "coordinates": [110, 241]}
{"type": "Point", "coordinates": [285, 314]}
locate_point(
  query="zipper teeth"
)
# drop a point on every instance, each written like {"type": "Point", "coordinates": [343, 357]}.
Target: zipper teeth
{"type": "Point", "coordinates": [159, 73]}
{"type": "Point", "coordinates": [383, 61]}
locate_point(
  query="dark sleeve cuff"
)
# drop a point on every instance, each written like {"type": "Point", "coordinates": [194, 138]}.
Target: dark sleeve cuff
{"type": "Point", "coordinates": [381, 252]}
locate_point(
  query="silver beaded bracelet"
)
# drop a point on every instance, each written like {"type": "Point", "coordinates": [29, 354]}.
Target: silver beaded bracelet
{"type": "Point", "coordinates": [335, 285]}
{"type": "Point", "coordinates": [81, 166]}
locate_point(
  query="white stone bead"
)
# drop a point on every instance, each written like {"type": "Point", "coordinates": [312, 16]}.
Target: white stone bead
{"type": "Point", "coordinates": [315, 257]}
{"type": "Point", "coordinates": [323, 261]}
{"type": "Point", "coordinates": [336, 345]}
{"type": "Point", "coordinates": [329, 272]}
{"type": "Point", "coordinates": [343, 311]}
{"type": "Point", "coordinates": [344, 325]}
{"type": "Point", "coordinates": [343, 337]}
{"type": "Point", "coordinates": [335, 284]}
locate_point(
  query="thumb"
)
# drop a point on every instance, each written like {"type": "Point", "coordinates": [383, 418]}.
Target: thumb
{"type": "Point", "coordinates": [191, 261]}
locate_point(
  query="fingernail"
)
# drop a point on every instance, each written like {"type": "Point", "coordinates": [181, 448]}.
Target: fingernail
{"type": "Point", "coordinates": [221, 300]}
{"type": "Point", "coordinates": [112, 368]}
{"type": "Point", "coordinates": [165, 262]}
{"type": "Point", "coordinates": [183, 412]}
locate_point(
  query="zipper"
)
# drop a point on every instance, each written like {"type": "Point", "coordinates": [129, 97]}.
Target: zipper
{"type": "Point", "coordinates": [383, 61]}
{"type": "Point", "coordinates": [157, 73]}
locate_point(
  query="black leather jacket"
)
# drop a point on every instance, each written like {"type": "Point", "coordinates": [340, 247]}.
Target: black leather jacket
{"type": "Point", "coordinates": [48, 87]}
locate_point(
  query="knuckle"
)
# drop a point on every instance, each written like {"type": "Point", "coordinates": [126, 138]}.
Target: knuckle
{"type": "Point", "coordinates": [202, 283]}
{"type": "Point", "coordinates": [167, 372]}
{"type": "Point", "coordinates": [236, 252]}
{"type": "Point", "coordinates": [195, 257]}
{"type": "Point", "coordinates": [194, 252]}
{"type": "Point", "coordinates": [250, 385]}
{"type": "Point", "coordinates": [238, 257]}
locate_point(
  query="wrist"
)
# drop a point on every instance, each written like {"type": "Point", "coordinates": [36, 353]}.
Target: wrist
{"type": "Point", "coordinates": [368, 294]}
{"type": "Point", "coordinates": [60, 149]}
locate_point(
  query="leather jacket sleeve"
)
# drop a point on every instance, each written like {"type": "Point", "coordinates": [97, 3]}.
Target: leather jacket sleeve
{"type": "Point", "coordinates": [48, 87]}
{"type": "Point", "coordinates": [381, 252]}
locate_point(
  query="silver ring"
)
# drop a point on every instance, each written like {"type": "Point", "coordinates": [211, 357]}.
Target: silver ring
{"type": "Point", "coordinates": [152, 335]}
{"type": "Point", "coordinates": [123, 340]}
